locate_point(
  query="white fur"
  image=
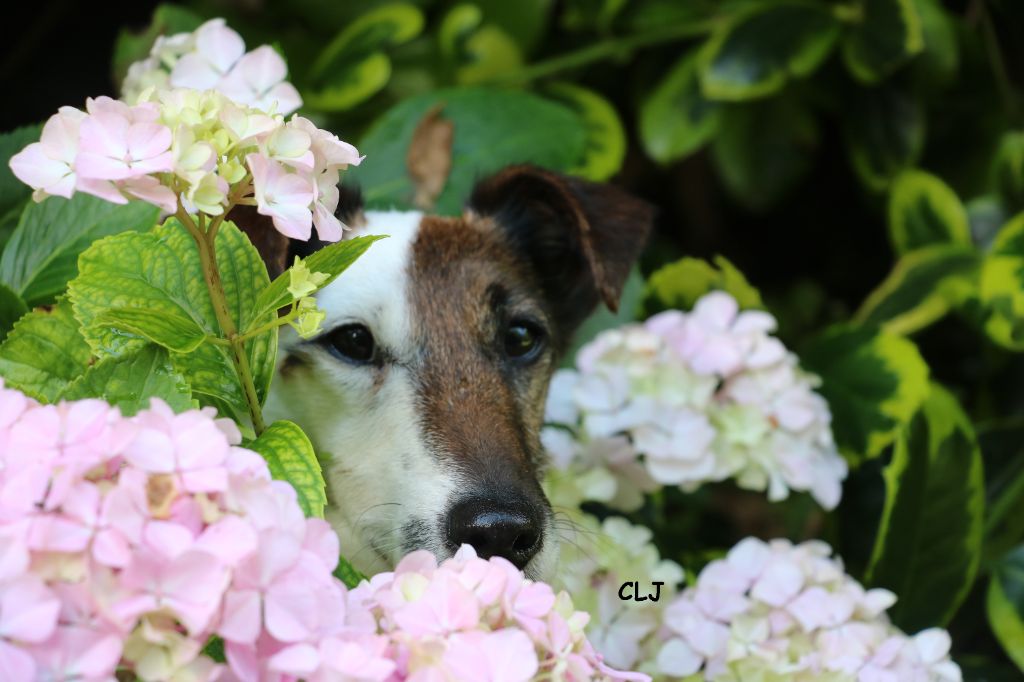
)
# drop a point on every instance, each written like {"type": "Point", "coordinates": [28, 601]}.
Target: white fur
{"type": "Point", "coordinates": [363, 420]}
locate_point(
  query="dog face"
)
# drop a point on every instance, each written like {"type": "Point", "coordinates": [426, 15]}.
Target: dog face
{"type": "Point", "coordinates": [425, 393]}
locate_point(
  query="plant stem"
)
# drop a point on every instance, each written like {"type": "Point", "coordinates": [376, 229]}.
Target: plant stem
{"type": "Point", "coordinates": [215, 287]}
{"type": "Point", "coordinates": [277, 322]}
{"type": "Point", "coordinates": [605, 49]}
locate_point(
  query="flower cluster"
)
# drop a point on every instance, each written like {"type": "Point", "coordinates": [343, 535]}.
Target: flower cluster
{"type": "Point", "coordinates": [596, 559]}
{"type": "Point", "coordinates": [775, 611]}
{"type": "Point", "coordinates": [197, 148]}
{"type": "Point", "coordinates": [127, 543]}
{"type": "Point", "coordinates": [213, 57]}
{"type": "Point", "coordinates": [689, 398]}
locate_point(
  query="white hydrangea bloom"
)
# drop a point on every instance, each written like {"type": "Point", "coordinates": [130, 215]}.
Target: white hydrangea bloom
{"type": "Point", "coordinates": [686, 399]}
{"type": "Point", "coordinates": [778, 611]}
{"type": "Point", "coordinates": [213, 57]}
{"type": "Point", "coordinates": [596, 558]}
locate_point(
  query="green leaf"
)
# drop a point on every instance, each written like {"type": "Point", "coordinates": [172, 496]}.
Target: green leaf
{"type": "Point", "coordinates": [923, 210]}
{"type": "Point", "coordinates": [11, 310]}
{"type": "Point", "coordinates": [929, 540]}
{"type": "Point", "coordinates": [489, 134]}
{"type": "Point", "coordinates": [884, 131]}
{"type": "Point", "coordinates": [167, 20]}
{"type": "Point", "coordinates": [130, 381]}
{"type": "Point", "coordinates": [679, 285]}
{"type": "Point", "coordinates": [42, 255]}
{"type": "Point", "coordinates": [350, 84]}
{"type": "Point", "coordinates": [332, 260]}
{"type": "Point", "coordinates": [13, 192]}
{"type": "Point", "coordinates": [873, 381]}
{"type": "Point", "coordinates": [1001, 289]}
{"type": "Point", "coordinates": [922, 287]}
{"type": "Point", "coordinates": [759, 50]}
{"type": "Point", "coordinates": [1009, 170]}
{"type": "Point", "coordinates": [605, 146]}
{"type": "Point", "coordinates": [523, 21]}
{"type": "Point", "coordinates": [159, 272]}
{"type": "Point", "coordinates": [44, 352]}
{"type": "Point", "coordinates": [938, 64]}
{"type": "Point", "coordinates": [385, 26]}
{"type": "Point", "coordinates": [487, 53]}
{"type": "Point", "coordinates": [763, 149]}
{"type": "Point", "coordinates": [675, 117]}
{"type": "Point", "coordinates": [290, 456]}
{"type": "Point", "coordinates": [169, 328]}
{"type": "Point", "coordinates": [347, 573]}
{"type": "Point", "coordinates": [888, 33]}
{"type": "Point", "coordinates": [1005, 605]}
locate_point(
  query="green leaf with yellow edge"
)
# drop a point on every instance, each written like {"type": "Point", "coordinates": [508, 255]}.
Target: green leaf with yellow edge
{"type": "Point", "coordinates": [923, 286]}
{"type": "Point", "coordinates": [884, 36]}
{"type": "Point", "coordinates": [928, 545]}
{"type": "Point", "coordinates": [923, 211]}
{"type": "Point", "coordinates": [874, 382]}
{"type": "Point", "coordinates": [42, 255]}
{"type": "Point", "coordinates": [759, 50]}
{"type": "Point", "coordinates": [351, 84]}
{"type": "Point", "coordinates": [487, 53]}
{"type": "Point", "coordinates": [884, 130]}
{"type": "Point", "coordinates": [130, 381]}
{"type": "Point", "coordinates": [347, 573]}
{"type": "Point", "coordinates": [290, 456]}
{"type": "Point", "coordinates": [675, 117]}
{"type": "Point", "coordinates": [159, 272]}
{"type": "Point", "coordinates": [1009, 169]}
{"type": "Point", "coordinates": [1005, 604]}
{"type": "Point", "coordinates": [1001, 289]}
{"type": "Point", "coordinates": [605, 146]}
{"type": "Point", "coordinates": [679, 285]}
{"type": "Point", "coordinates": [331, 260]}
{"type": "Point", "coordinates": [11, 310]}
{"type": "Point", "coordinates": [44, 353]}
{"type": "Point", "coordinates": [372, 31]}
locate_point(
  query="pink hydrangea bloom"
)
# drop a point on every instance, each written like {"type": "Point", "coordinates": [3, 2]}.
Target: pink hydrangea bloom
{"type": "Point", "coordinates": [776, 609]}
{"type": "Point", "coordinates": [127, 543]}
{"type": "Point", "coordinates": [691, 398]}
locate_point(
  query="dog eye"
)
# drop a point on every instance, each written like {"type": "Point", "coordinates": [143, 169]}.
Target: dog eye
{"type": "Point", "coordinates": [522, 339]}
{"type": "Point", "coordinates": [352, 342]}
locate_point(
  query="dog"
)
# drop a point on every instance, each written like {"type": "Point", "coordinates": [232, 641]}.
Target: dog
{"type": "Point", "coordinates": [424, 395]}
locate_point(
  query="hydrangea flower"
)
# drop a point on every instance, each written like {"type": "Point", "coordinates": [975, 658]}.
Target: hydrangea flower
{"type": "Point", "coordinates": [127, 543]}
{"type": "Point", "coordinates": [213, 57]}
{"type": "Point", "coordinates": [778, 611]}
{"type": "Point", "coordinates": [196, 150]}
{"type": "Point", "coordinates": [685, 399]}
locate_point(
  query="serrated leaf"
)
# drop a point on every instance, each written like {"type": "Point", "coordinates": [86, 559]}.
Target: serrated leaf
{"type": "Point", "coordinates": [679, 285]}
{"type": "Point", "coordinates": [873, 381]}
{"type": "Point", "coordinates": [130, 381]}
{"type": "Point", "coordinates": [605, 146]}
{"type": "Point", "coordinates": [924, 211]}
{"type": "Point", "coordinates": [160, 272]}
{"type": "Point", "coordinates": [884, 130]}
{"type": "Point", "coordinates": [11, 310]}
{"type": "Point", "coordinates": [44, 352]}
{"type": "Point", "coordinates": [1005, 604]}
{"type": "Point", "coordinates": [1001, 289]}
{"type": "Point", "coordinates": [331, 260]}
{"type": "Point", "coordinates": [762, 149]}
{"type": "Point", "coordinates": [675, 117]}
{"type": "Point", "coordinates": [347, 573]}
{"type": "Point", "coordinates": [42, 255]}
{"type": "Point", "coordinates": [290, 456]}
{"type": "Point", "coordinates": [929, 541]}
{"type": "Point", "coordinates": [887, 34]}
{"type": "Point", "coordinates": [13, 192]}
{"type": "Point", "coordinates": [168, 328]}
{"type": "Point", "coordinates": [759, 50]}
{"type": "Point", "coordinates": [922, 287]}
{"type": "Point", "coordinates": [488, 135]}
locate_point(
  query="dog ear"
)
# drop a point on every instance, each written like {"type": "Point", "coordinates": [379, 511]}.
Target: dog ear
{"type": "Point", "coordinates": [581, 237]}
{"type": "Point", "coordinates": [278, 251]}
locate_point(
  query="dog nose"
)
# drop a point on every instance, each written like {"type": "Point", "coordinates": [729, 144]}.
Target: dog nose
{"type": "Point", "coordinates": [502, 529]}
